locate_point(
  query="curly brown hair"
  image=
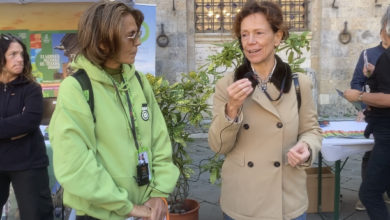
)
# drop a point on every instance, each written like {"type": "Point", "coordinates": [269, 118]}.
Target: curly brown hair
{"type": "Point", "coordinates": [272, 12]}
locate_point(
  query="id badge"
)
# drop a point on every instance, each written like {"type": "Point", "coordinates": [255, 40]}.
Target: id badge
{"type": "Point", "coordinates": [143, 174]}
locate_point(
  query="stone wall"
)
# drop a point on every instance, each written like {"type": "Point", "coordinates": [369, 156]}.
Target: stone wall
{"type": "Point", "coordinates": [175, 58]}
{"type": "Point", "coordinates": [333, 61]}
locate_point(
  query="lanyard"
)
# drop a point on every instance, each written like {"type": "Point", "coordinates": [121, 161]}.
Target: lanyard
{"type": "Point", "coordinates": [280, 94]}
{"type": "Point", "coordinates": [131, 123]}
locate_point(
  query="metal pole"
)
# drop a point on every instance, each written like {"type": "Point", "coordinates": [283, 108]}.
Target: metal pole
{"type": "Point", "coordinates": [336, 212]}
{"type": "Point", "coordinates": [319, 189]}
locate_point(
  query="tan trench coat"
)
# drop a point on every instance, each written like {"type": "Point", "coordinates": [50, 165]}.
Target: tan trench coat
{"type": "Point", "coordinates": [257, 182]}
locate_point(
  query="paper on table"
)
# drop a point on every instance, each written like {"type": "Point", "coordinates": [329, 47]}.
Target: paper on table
{"type": "Point", "coordinates": [344, 129]}
{"type": "Point", "coordinates": [358, 104]}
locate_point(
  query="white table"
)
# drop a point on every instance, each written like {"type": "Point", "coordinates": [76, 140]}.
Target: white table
{"type": "Point", "coordinates": [344, 142]}
{"type": "Point", "coordinates": [334, 149]}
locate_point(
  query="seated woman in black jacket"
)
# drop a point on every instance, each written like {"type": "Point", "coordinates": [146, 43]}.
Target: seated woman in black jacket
{"type": "Point", "coordinates": [23, 158]}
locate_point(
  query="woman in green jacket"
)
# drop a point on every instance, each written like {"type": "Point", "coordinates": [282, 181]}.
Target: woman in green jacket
{"type": "Point", "coordinates": [96, 162]}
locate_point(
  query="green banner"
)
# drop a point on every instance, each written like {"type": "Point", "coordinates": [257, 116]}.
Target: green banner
{"type": "Point", "coordinates": [50, 58]}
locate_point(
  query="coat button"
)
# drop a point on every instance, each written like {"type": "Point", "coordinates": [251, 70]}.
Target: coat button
{"type": "Point", "coordinates": [250, 164]}
{"type": "Point", "coordinates": [276, 164]}
{"type": "Point", "coordinates": [279, 124]}
{"type": "Point", "coordinates": [246, 126]}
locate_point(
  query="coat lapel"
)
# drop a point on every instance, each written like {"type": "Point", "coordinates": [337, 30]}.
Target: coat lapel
{"type": "Point", "coordinates": [260, 98]}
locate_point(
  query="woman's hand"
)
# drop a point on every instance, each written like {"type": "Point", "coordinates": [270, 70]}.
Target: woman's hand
{"type": "Point", "coordinates": [238, 91]}
{"type": "Point", "coordinates": [158, 207]}
{"type": "Point", "coordinates": [368, 70]}
{"type": "Point", "coordinates": [360, 116]}
{"type": "Point", "coordinates": [141, 211]}
{"type": "Point", "coordinates": [298, 154]}
{"type": "Point", "coordinates": [352, 95]}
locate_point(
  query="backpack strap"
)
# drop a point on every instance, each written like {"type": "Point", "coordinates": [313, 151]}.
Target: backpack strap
{"type": "Point", "coordinates": [86, 86]}
{"type": "Point", "coordinates": [297, 89]}
{"type": "Point", "coordinates": [85, 83]}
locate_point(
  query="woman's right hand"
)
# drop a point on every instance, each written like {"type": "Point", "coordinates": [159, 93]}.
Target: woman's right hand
{"type": "Point", "coordinates": [141, 211]}
{"type": "Point", "coordinates": [368, 70]}
{"type": "Point", "coordinates": [238, 91]}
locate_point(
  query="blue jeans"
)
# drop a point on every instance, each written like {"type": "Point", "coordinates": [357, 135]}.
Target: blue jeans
{"type": "Point", "coordinates": [302, 217]}
{"type": "Point", "coordinates": [378, 169]}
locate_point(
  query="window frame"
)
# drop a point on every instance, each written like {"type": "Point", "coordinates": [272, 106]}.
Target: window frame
{"type": "Point", "coordinates": [215, 26]}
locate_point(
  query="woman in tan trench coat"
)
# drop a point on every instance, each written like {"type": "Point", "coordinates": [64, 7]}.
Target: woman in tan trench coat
{"type": "Point", "coordinates": [267, 139]}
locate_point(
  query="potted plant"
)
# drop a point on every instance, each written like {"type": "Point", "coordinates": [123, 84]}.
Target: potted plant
{"type": "Point", "coordinates": [182, 103]}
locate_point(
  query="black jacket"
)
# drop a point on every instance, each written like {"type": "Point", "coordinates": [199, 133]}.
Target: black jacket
{"type": "Point", "coordinates": [21, 106]}
{"type": "Point", "coordinates": [380, 82]}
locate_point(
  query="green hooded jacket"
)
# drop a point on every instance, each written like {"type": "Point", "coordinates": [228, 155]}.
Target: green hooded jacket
{"type": "Point", "coordinates": [96, 162]}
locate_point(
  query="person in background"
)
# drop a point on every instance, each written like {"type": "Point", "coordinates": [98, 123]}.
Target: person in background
{"type": "Point", "coordinates": [96, 162]}
{"type": "Point", "coordinates": [267, 138]}
{"type": "Point", "coordinates": [377, 178]}
{"type": "Point", "coordinates": [362, 72]}
{"type": "Point", "coordinates": [69, 46]}
{"type": "Point", "coordinates": [23, 158]}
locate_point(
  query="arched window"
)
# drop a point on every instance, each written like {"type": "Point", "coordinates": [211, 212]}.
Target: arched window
{"type": "Point", "coordinates": [216, 16]}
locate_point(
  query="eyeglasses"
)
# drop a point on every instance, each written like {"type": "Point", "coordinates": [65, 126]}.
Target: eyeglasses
{"type": "Point", "coordinates": [6, 37]}
{"type": "Point", "coordinates": [9, 37]}
{"type": "Point", "coordinates": [135, 35]}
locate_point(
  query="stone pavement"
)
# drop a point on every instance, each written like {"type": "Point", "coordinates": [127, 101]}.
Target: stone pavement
{"type": "Point", "coordinates": [207, 194]}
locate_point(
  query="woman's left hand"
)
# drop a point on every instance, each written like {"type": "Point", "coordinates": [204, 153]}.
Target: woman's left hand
{"type": "Point", "coordinates": [159, 208]}
{"type": "Point", "coordinates": [298, 154]}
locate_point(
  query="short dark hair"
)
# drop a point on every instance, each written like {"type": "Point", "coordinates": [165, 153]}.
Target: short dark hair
{"type": "Point", "coordinates": [100, 25]}
{"type": "Point", "coordinates": [5, 42]}
{"type": "Point", "coordinates": [272, 12]}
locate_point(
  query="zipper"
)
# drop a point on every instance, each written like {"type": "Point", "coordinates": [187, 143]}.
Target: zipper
{"type": "Point", "coordinates": [5, 87]}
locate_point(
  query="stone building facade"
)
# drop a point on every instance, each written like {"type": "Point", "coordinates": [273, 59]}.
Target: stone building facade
{"type": "Point", "coordinates": [331, 61]}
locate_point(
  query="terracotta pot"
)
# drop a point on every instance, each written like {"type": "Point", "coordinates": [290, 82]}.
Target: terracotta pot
{"type": "Point", "coordinates": [192, 214]}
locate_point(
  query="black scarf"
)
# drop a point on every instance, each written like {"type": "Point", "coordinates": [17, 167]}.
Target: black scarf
{"type": "Point", "coordinates": [281, 70]}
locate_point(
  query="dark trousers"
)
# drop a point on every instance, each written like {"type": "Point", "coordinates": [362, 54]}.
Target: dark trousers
{"type": "Point", "coordinates": [32, 193]}
{"type": "Point", "coordinates": [365, 160]}
{"type": "Point", "coordinates": [377, 179]}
